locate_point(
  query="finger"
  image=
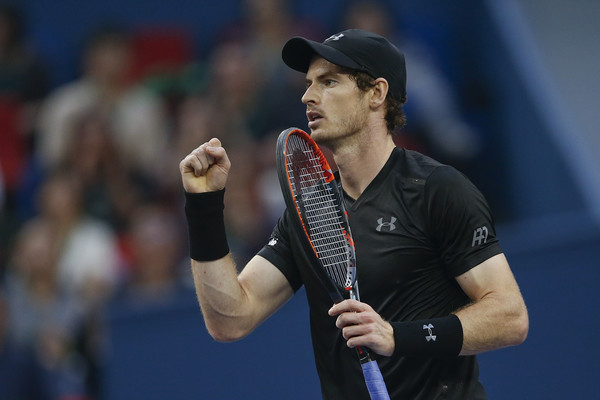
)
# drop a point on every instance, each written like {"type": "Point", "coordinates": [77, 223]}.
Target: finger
{"type": "Point", "coordinates": [199, 160]}
{"type": "Point", "coordinates": [192, 164]}
{"type": "Point", "coordinates": [204, 156]}
{"type": "Point", "coordinates": [357, 318]}
{"type": "Point", "coordinates": [371, 340]}
{"type": "Point", "coordinates": [354, 331]}
{"type": "Point", "coordinates": [361, 341]}
{"type": "Point", "coordinates": [209, 156]}
{"type": "Point", "coordinates": [218, 154]}
{"type": "Point", "coordinates": [348, 306]}
{"type": "Point", "coordinates": [214, 142]}
{"type": "Point", "coordinates": [347, 319]}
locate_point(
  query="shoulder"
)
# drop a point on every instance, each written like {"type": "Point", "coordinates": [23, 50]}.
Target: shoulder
{"type": "Point", "coordinates": [441, 186]}
{"type": "Point", "coordinates": [414, 165]}
{"type": "Point", "coordinates": [420, 168]}
{"type": "Point", "coordinates": [447, 182]}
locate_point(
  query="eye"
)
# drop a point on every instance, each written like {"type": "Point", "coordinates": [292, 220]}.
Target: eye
{"type": "Point", "coordinates": [330, 82]}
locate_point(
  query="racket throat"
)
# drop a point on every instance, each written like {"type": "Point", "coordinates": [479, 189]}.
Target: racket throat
{"type": "Point", "coordinates": [352, 291]}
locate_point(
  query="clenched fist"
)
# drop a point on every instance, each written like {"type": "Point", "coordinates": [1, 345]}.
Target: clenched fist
{"type": "Point", "coordinates": [206, 168]}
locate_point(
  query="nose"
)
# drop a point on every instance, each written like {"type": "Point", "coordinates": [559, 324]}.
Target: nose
{"type": "Point", "coordinates": [309, 95]}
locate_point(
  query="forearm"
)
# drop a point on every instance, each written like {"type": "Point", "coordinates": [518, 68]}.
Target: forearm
{"type": "Point", "coordinates": [493, 322]}
{"type": "Point", "coordinates": [488, 324]}
{"type": "Point", "coordinates": [223, 301]}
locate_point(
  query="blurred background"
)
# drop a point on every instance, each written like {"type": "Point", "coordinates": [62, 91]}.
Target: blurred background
{"type": "Point", "coordinates": [100, 100]}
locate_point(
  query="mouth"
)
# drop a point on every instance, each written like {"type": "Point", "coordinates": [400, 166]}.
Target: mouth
{"type": "Point", "coordinates": [313, 118]}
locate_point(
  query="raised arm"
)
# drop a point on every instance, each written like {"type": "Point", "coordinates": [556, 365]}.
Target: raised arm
{"type": "Point", "coordinates": [232, 305]}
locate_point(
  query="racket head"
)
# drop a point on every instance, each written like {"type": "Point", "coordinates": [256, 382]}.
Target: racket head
{"type": "Point", "coordinates": [317, 210]}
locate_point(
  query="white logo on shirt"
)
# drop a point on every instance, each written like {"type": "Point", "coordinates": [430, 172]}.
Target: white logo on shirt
{"type": "Point", "coordinates": [390, 225]}
{"type": "Point", "coordinates": [480, 236]}
{"type": "Point", "coordinates": [272, 242]}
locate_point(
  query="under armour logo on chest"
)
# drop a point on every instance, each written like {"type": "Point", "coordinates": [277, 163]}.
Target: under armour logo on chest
{"type": "Point", "coordinates": [389, 225]}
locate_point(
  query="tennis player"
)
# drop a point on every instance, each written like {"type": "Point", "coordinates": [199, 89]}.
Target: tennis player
{"type": "Point", "coordinates": [435, 286]}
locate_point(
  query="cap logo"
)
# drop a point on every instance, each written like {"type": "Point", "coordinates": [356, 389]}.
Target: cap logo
{"type": "Point", "coordinates": [334, 37]}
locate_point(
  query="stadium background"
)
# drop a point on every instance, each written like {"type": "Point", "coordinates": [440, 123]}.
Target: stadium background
{"type": "Point", "coordinates": [523, 76]}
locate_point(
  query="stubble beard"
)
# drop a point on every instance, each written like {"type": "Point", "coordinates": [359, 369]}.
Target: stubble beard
{"type": "Point", "coordinates": [342, 132]}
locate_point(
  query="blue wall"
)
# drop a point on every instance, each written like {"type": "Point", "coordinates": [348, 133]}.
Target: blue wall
{"type": "Point", "coordinates": [164, 352]}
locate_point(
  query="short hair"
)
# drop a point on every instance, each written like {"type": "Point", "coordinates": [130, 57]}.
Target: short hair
{"type": "Point", "coordinates": [394, 112]}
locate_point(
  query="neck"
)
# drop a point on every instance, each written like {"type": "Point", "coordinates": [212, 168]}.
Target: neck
{"type": "Point", "coordinates": [360, 162]}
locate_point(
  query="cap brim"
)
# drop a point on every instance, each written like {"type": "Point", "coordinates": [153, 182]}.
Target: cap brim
{"type": "Point", "coordinates": [298, 53]}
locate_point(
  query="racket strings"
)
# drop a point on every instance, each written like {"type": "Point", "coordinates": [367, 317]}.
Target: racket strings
{"type": "Point", "coordinates": [325, 224]}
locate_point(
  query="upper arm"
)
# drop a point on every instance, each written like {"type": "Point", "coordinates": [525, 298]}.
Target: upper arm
{"type": "Point", "coordinates": [491, 277]}
{"type": "Point", "coordinates": [265, 287]}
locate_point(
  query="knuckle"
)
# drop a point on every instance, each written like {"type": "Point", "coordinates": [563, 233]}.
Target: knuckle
{"type": "Point", "coordinates": [185, 163]}
{"type": "Point", "coordinates": [200, 149]}
{"type": "Point", "coordinates": [368, 318]}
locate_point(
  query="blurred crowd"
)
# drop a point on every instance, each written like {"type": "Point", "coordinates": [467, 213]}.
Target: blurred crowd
{"type": "Point", "coordinates": [90, 194]}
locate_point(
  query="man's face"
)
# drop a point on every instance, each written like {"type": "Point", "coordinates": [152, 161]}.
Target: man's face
{"type": "Point", "coordinates": [335, 107]}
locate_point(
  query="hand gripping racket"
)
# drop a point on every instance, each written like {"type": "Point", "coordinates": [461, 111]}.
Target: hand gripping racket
{"type": "Point", "coordinates": [317, 210]}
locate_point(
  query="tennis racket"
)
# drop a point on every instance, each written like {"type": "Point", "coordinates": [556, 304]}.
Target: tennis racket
{"type": "Point", "coordinates": [317, 211]}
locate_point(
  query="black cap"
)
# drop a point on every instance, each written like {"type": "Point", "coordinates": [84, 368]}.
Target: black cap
{"type": "Point", "coordinates": [356, 49]}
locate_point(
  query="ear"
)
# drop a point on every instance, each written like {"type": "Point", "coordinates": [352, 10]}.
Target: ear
{"type": "Point", "coordinates": [379, 93]}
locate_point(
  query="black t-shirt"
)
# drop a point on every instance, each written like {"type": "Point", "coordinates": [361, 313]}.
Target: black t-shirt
{"type": "Point", "coordinates": [417, 226]}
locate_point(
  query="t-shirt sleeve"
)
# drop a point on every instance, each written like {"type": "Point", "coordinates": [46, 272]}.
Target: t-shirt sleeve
{"type": "Point", "coordinates": [278, 251]}
{"type": "Point", "coordinates": [460, 221]}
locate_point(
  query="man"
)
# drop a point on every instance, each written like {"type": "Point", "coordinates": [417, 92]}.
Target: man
{"type": "Point", "coordinates": [435, 285]}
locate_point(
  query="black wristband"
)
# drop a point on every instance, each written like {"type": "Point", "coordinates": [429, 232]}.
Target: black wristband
{"type": "Point", "coordinates": [436, 337]}
{"type": "Point", "coordinates": [206, 225]}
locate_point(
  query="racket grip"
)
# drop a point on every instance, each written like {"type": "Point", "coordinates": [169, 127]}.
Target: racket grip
{"type": "Point", "coordinates": [374, 380]}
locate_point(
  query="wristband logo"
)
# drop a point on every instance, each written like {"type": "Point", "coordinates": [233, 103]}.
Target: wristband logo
{"type": "Point", "coordinates": [431, 336]}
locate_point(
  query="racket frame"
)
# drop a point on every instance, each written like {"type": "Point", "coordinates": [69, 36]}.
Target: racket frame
{"type": "Point", "coordinates": [373, 378]}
